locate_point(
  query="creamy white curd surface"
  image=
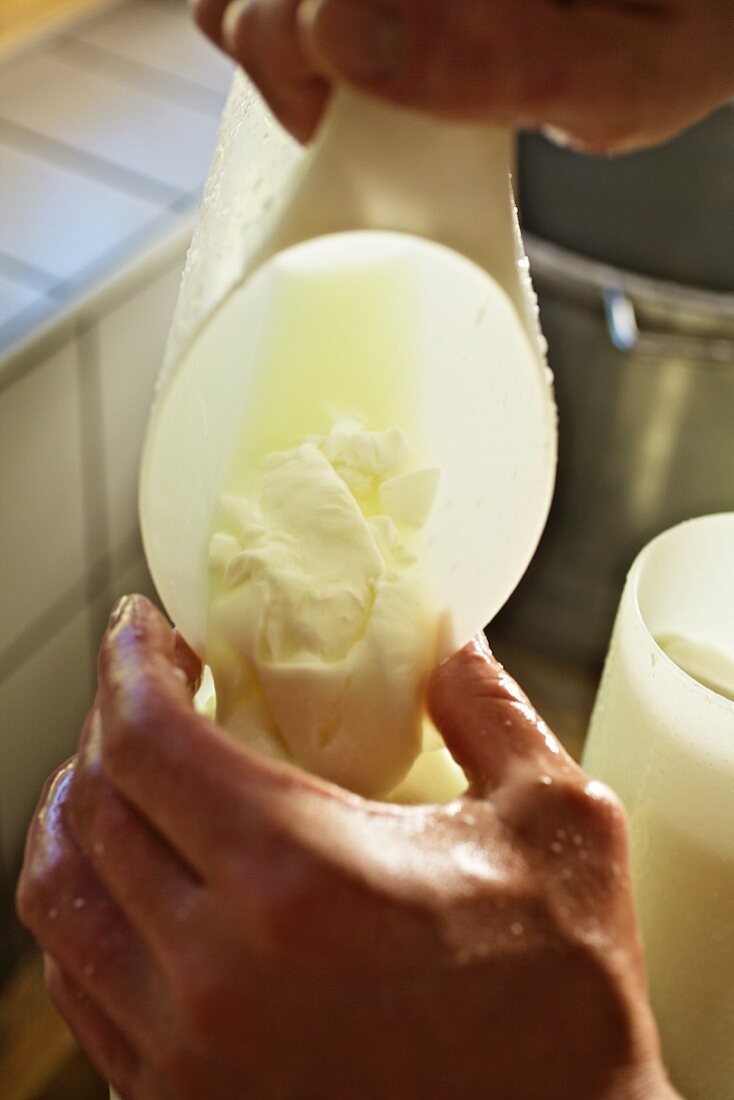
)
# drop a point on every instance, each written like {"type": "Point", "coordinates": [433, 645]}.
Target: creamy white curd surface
{"type": "Point", "coordinates": [322, 628]}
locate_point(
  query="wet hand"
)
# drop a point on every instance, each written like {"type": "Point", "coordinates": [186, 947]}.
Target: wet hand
{"type": "Point", "coordinates": [216, 924]}
{"type": "Point", "coordinates": [605, 75]}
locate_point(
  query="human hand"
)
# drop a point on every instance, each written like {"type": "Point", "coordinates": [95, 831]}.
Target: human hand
{"type": "Point", "coordinates": [218, 924]}
{"type": "Point", "coordinates": [605, 75]}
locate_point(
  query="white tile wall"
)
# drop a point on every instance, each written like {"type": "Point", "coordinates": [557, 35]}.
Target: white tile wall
{"type": "Point", "coordinates": [78, 149]}
{"type": "Point", "coordinates": [42, 708]}
{"type": "Point", "coordinates": [42, 548]}
{"type": "Point", "coordinates": [14, 297]}
{"type": "Point", "coordinates": [60, 221]}
{"type": "Point", "coordinates": [131, 343]}
{"type": "Point", "coordinates": [161, 34]}
{"type": "Point", "coordinates": [117, 123]}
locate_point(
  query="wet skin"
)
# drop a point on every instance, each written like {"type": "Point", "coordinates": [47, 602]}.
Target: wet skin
{"type": "Point", "coordinates": [217, 924]}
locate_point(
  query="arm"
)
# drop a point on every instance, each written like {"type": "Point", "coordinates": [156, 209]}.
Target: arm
{"type": "Point", "coordinates": [217, 924]}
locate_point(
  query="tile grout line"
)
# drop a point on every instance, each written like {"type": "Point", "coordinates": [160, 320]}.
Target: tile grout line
{"type": "Point", "coordinates": [52, 151]}
{"type": "Point", "coordinates": [19, 50]}
{"type": "Point", "coordinates": [67, 607]}
{"type": "Point", "coordinates": [43, 629]}
{"type": "Point", "coordinates": [98, 573]}
{"type": "Point", "coordinates": [123, 250]}
{"type": "Point", "coordinates": [30, 276]}
{"type": "Point", "coordinates": [59, 289]}
{"type": "Point", "coordinates": [24, 321]}
{"type": "Point", "coordinates": [77, 53]}
{"type": "Point", "coordinates": [8, 377]}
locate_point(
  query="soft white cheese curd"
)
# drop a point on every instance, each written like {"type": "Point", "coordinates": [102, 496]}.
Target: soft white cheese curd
{"type": "Point", "coordinates": [321, 629]}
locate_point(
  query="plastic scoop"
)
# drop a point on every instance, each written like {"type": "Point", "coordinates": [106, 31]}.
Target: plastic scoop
{"type": "Point", "coordinates": [413, 218]}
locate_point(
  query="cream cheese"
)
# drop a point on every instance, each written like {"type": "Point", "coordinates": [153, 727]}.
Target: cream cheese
{"type": "Point", "coordinates": [322, 630]}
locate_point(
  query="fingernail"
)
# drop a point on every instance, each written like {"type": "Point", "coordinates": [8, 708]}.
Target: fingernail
{"type": "Point", "coordinates": [360, 39]}
{"type": "Point", "coordinates": [230, 20]}
{"type": "Point", "coordinates": [118, 611]}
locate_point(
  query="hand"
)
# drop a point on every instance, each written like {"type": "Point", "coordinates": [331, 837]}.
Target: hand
{"type": "Point", "coordinates": [605, 75]}
{"type": "Point", "coordinates": [217, 924]}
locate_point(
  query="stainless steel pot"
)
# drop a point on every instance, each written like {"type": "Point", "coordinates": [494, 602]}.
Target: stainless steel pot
{"type": "Point", "coordinates": [645, 387]}
{"type": "Point", "coordinates": [666, 212]}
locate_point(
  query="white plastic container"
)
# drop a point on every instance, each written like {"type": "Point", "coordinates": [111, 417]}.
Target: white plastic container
{"type": "Point", "coordinates": [665, 743]}
{"type": "Point", "coordinates": [427, 205]}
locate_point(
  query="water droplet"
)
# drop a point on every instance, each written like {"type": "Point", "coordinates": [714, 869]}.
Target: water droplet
{"type": "Point", "coordinates": [88, 970]}
{"type": "Point", "coordinates": [516, 928]}
{"type": "Point", "coordinates": [545, 780]}
{"type": "Point", "coordinates": [98, 848]}
{"type": "Point", "coordinates": [561, 834]}
{"type": "Point", "coordinates": [577, 840]}
{"type": "Point", "coordinates": [53, 913]}
{"type": "Point", "coordinates": [556, 847]}
{"type": "Point", "coordinates": [79, 903]}
{"type": "Point", "coordinates": [566, 873]}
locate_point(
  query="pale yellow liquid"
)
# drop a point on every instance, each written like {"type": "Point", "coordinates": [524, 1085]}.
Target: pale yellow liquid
{"type": "Point", "coordinates": [681, 809]}
{"type": "Point", "coordinates": [336, 346]}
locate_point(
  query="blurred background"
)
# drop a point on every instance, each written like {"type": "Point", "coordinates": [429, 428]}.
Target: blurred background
{"type": "Point", "coordinates": [108, 119]}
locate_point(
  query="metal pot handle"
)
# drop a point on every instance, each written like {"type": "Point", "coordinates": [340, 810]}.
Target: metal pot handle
{"type": "Point", "coordinates": [625, 335]}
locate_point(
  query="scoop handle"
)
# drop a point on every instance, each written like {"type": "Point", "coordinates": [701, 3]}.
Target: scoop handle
{"type": "Point", "coordinates": [376, 166]}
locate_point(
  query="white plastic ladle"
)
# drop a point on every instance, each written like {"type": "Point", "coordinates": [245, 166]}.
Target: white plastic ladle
{"type": "Point", "coordinates": [433, 198]}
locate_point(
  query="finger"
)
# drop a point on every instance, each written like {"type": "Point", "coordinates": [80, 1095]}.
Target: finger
{"type": "Point", "coordinates": [186, 666]}
{"type": "Point", "coordinates": [208, 15]}
{"type": "Point", "coordinates": [486, 720]}
{"type": "Point", "coordinates": [589, 69]}
{"type": "Point", "coordinates": [263, 36]}
{"type": "Point", "coordinates": [62, 902]}
{"type": "Point", "coordinates": [507, 751]}
{"type": "Point", "coordinates": [196, 786]}
{"type": "Point", "coordinates": [159, 894]}
{"type": "Point", "coordinates": [104, 1044]}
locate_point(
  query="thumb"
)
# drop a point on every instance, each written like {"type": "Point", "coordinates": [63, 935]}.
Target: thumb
{"type": "Point", "coordinates": [486, 720]}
